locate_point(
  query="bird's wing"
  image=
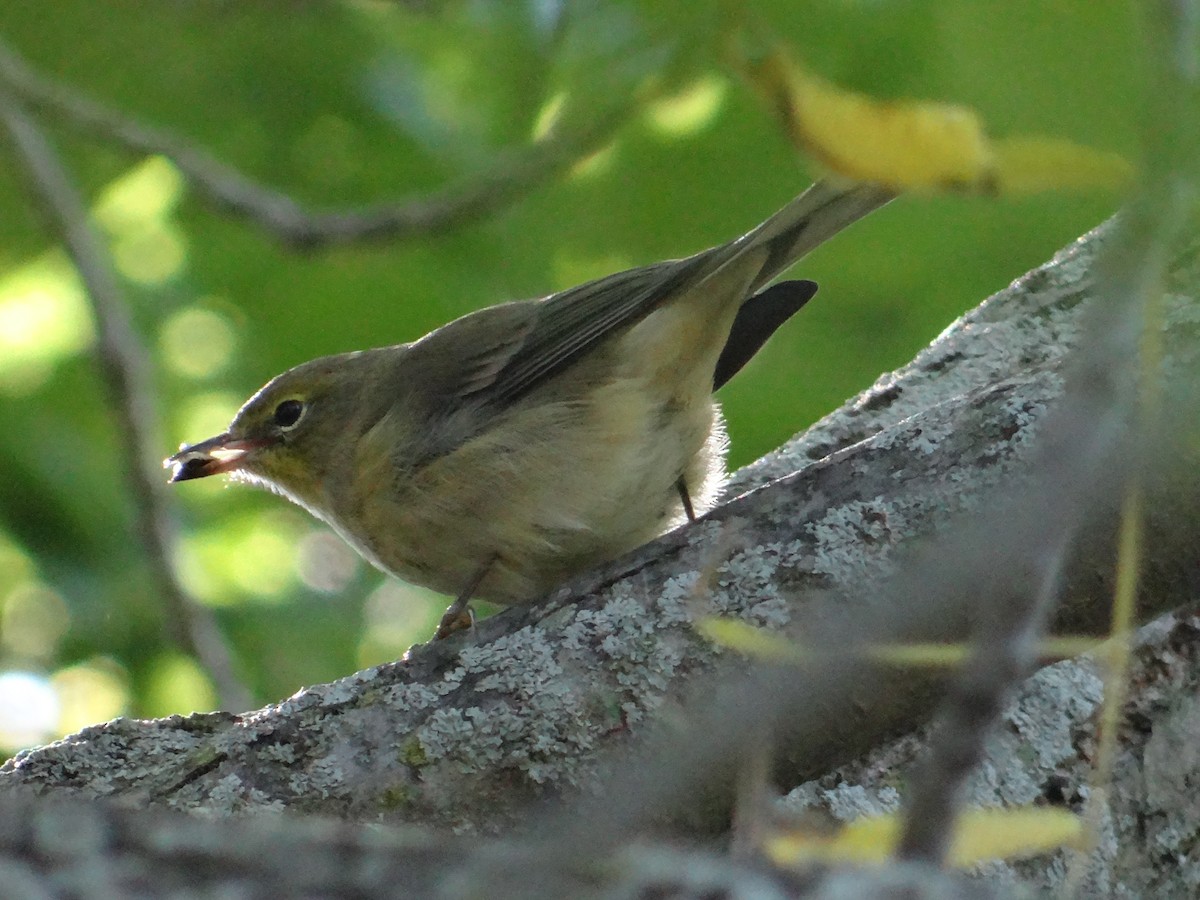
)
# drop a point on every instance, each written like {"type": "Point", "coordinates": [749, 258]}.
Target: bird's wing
{"type": "Point", "coordinates": [487, 360]}
{"type": "Point", "coordinates": [565, 326]}
{"type": "Point", "coordinates": [477, 366]}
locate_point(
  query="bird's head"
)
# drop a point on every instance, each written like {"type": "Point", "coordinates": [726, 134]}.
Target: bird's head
{"type": "Point", "coordinates": [287, 436]}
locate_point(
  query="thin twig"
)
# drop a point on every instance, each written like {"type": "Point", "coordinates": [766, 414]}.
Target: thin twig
{"type": "Point", "coordinates": [1003, 657]}
{"type": "Point", "coordinates": [1083, 440]}
{"type": "Point", "coordinates": [1174, 30]}
{"type": "Point", "coordinates": [514, 175]}
{"type": "Point", "coordinates": [123, 366]}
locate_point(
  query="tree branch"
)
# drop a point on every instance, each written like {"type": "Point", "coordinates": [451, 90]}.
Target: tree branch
{"type": "Point", "coordinates": [122, 363]}
{"type": "Point", "coordinates": [1086, 447]}
{"type": "Point", "coordinates": [467, 734]}
{"type": "Point", "coordinates": [514, 175]}
{"type": "Point", "coordinates": [97, 851]}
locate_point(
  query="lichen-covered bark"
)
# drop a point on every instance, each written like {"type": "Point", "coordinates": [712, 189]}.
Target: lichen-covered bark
{"type": "Point", "coordinates": [90, 851]}
{"type": "Point", "coordinates": [1148, 840]}
{"type": "Point", "coordinates": [467, 733]}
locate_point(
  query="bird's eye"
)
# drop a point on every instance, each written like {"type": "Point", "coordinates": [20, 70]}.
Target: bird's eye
{"type": "Point", "coordinates": [288, 413]}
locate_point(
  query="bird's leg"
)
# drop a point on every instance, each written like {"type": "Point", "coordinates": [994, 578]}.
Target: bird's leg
{"type": "Point", "coordinates": [681, 486]}
{"type": "Point", "coordinates": [458, 615]}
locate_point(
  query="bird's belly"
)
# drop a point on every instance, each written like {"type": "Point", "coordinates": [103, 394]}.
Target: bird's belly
{"type": "Point", "coordinates": [560, 486]}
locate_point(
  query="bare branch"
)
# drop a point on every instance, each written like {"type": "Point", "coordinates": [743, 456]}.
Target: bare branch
{"type": "Point", "coordinates": [514, 174]}
{"type": "Point", "coordinates": [1085, 448]}
{"type": "Point", "coordinates": [124, 368]}
{"type": "Point", "coordinates": [1003, 656]}
{"type": "Point", "coordinates": [98, 851]}
{"type": "Point", "coordinates": [469, 733]}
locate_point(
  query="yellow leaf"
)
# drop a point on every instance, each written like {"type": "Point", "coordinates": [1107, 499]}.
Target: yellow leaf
{"type": "Point", "coordinates": [767, 646]}
{"type": "Point", "coordinates": [870, 839]}
{"type": "Point", "coordinates": [1025, 165]}
{"type": "Point", "coordinates": [983, 834]}
{"type": "Point", "coordinates": [754, 642]}
{"type": "Point", "coordinates": [922, 145]}
{"type": "Point", "coordinates": [903, 144]}
{"type": "Point", "coordinates": [928, 655]}
{"type": "Point", "coordinates": [979, 835]}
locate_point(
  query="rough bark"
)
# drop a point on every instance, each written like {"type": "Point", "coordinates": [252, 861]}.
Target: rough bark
{"type": "Point", "coordinates": [470, 732]}
{"type": "Point", "coordinates": [1148, 837]}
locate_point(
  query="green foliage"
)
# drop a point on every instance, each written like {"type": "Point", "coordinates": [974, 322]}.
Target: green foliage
{"type": "Point", "coordinates": [358, 103]}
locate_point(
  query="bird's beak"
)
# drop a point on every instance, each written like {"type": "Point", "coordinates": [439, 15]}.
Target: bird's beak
{"type": "Point", "coordinates": [222, 453]}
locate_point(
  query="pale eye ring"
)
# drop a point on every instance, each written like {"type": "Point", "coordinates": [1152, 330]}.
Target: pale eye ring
{"type": "Point", "coordinates": [288, 413]}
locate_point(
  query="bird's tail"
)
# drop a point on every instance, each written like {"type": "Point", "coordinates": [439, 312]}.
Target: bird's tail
{"type": "Point", "coordinates": [803, 225]}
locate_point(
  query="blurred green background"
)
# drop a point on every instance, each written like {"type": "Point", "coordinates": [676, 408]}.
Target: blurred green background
{"type": "Point", "coordinates": [347, 104]}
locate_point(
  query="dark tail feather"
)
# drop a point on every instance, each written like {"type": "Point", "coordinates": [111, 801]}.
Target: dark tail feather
{"type": "Point", "coordinates": [756, 321]}
{"type": "Point", "coordinates": [810, 220]}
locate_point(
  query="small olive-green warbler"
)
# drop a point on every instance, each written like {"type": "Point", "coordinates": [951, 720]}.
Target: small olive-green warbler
{"type": "Point", "coordinates": [523, 443]}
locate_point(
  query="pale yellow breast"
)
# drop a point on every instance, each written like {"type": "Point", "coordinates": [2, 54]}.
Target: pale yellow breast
{"type": "Point", "coordinates": [580, 471]}
{"type": "Point", "coordinates": [554, 489]}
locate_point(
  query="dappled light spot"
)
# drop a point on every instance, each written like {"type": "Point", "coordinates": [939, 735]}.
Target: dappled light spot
{"type": "Point", "coordinates": [135, 210]}
{"type": "Point", "coordinates": [44, 319]}
{"type": "Point", "coordinates": [249, 558]}
{"type": "Point", "coordinates": [396, 616]}
{"type": "Point", "coordinates": [208, 413]}
{"type": "Point", "coordinates": [33, 619]}
{"type": "Point", "coordinates": [90, 692]}
{"type": "Point", "coordinates": [177, 686]}
{"type": "Point", "coordinates": [191, 568]}
{"type": "Point", "coordinates": [594, 164]}
{"type": "Point", "coordinates": [548, 116]}
{"type": "Point", "coordinates": [148, 192]}
{"type": "Point", "coordinates": [29, 709]}
{"type": "Point", "coordinates": [262, 565]}
{"type": "Point", "coordinates": [16, 567]}
{"type": "Point", "coordinates": [197, 342]}
{"type": "Point", "coordinates": [150, 256]}
{"type": "Point", "coordinates": [324, 562]}
{"type": "Point", "coordinates": [690, 110]}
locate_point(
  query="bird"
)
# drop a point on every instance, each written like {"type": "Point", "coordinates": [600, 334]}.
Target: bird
{"type": "Point", "coordinates": [523, 443]}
